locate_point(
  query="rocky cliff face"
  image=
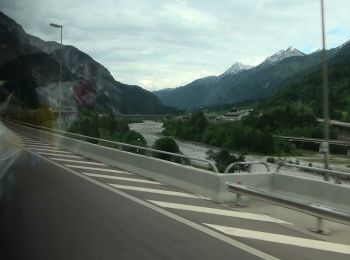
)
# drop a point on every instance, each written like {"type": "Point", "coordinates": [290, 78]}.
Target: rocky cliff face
{"type": "Point", "coordinates": [30, 66]}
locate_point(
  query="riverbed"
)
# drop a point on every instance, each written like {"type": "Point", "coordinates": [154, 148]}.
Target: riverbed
{"type": "Point", "coordinates": [152, 131]}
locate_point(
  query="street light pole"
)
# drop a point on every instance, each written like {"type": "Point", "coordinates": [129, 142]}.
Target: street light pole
{"type": "Point", "coordinates": [325, 95]}
{"type": "Point", "coordinates": [60, 82]}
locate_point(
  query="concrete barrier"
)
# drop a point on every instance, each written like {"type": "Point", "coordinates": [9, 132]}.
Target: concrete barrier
{"type": "Point", "coordinates": [315, 197]}
{"type": "Point", "coordinates": [197, 181]}
{"type": "Point", "coordinates": [318, 191]}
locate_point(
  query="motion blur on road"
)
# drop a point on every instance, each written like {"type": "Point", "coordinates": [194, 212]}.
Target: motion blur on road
{"type": "Point", "coordinates": [174, 129]}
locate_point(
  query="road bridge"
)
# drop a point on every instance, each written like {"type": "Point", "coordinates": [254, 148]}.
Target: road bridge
{"type": "Point", "coordinates": [61, 205]}
{"type": "Point", "coordinates": [344, 143]}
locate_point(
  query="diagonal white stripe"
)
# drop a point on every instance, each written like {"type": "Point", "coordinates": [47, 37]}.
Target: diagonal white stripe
{"type": "Point", "coordinates": [157, 191]}
{"type": "Point", "coordinates": [282, 239]}
{"type": "Point", "coordinates": [221, 212]}
{"type": "Point", "coordinates": [45, 146]}
{"type": "Point", "coordinates": [177, 218]}
{"type": "Point", "coordinates": [96, 169]}
{"type": "Point", "coordinates": [76, 161]}
{"type": "Point", "coordinates": [35, 143]}
{"type": "Point", "coordinates": [62, 155]}
{"type": "Point", "coordinates": [120, 178]}
{"type": "Point", "coordinates": [48, 150]}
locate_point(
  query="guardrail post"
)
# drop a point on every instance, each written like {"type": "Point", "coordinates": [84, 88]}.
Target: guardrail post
{"type": "Point", "coordinates": [319, 229]}
{"type": "Point", "coordinates": [337, 179]}
{"type": "Point", "coordinates": [238, 202]}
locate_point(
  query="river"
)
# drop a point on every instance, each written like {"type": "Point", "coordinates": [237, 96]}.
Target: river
{"type": "Point", "coordinates": [152, 131]}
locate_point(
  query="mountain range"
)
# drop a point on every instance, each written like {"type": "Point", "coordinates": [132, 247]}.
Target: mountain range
{"type": "Point", "coordinates": [308, 89]}
{"type": "Point", "coordinates": [29, 67]}
{"type": "Point", "coordinates": [243, 83]}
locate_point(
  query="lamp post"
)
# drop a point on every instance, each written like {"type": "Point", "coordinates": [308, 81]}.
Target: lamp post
{"type": "Point", "coordinates": [60, 82]}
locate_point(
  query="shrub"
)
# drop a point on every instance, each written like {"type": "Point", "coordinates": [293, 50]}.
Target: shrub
{"type": "Point", "coordinates": [166, 144]}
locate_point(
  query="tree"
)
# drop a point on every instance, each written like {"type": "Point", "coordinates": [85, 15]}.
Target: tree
{"type": "Point", "coordinates": [134, 138]}
{"type": "Point", "coordinates": [166, 144]}
{"type": "Point", "coordinates": [223, 159]}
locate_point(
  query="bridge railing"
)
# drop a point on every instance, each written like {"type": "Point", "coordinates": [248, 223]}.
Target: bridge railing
{"type": "Point", "coordinates": [305, 206]}
{"type": "Point", "coordinates": [337, 175]}
{"type": "Point", "coordinates": [313, 140]}
{"type": "Point", "coordinates": [150, 152]}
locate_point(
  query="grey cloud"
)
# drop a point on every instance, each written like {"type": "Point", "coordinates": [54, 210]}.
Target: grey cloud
{"type": "Point", "coordinates": [160, 44]}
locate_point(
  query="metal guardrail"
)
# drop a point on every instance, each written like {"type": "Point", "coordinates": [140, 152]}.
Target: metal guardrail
{"type": "Point", "coordinates": [228, 168]}
{"type": "Point", "coordinates": [336, 174]}
{"type": "Point", "coordinates": [313, 140]}
{"type": "Point", "coordinates": [121, 145]}
{"type": "Point", "coordinates": [314, 209]}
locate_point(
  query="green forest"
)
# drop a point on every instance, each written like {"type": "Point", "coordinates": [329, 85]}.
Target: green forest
{"type": "Point", "coordinates": [237, 136]}
{"type": "Point", "coordinates": [107, 127]}
{"type": "Point", "coordinates": [308, 90]}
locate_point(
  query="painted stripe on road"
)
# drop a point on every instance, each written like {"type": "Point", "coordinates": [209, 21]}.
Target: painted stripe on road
{"type": "Point", "coordinates": [36, 143]}
{"type": "Point", "coordinates": [48, 150]}
{"type": "Point", "coordinates": [28, 141]}
{"type": "Point", "coordinates": [120, 178]}
{"type": "Point", "coordinates": [76, 161]}
{"type": "Point", "coordinates": [157, 191]}
{"type": "Point", "coordinates": [164, 212]}
{"type": "Point", "coordinates": [62, 155]}
{"type": "Point", "coordinates": [15, 140]}
{"type": "Point", "coordinates": [45, 146]}
{"type": "Point", "coordinates": [221, 212]}
{"type": "Point", "coordinates": [96, 169]}
{"type": "Point", "coordinates": [282, 239]}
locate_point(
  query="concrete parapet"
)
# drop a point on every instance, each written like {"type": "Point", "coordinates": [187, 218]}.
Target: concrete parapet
{"type": "Point", "coordinates": [198, 181]}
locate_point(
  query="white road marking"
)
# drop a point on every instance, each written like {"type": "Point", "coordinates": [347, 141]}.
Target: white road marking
{"type": "Point", "coordinates": [41, 146]}
{"type": "Point", "coordinates": [221, 212]}
{"type": "Point", "coordinates": [12, 140]}
{"type": "Point", "coordinates": [62, 155]}
{"type": "Point", "coordinates": [22, 139]}
{"type": "Point", "coordinates": [164, 212]}
{"type": "Point", "coordinates": [120, 178]}
{"type": "Point", "coordinates": [157, 191]}
{"type": "Point", "coordinates": [15, 140]}
{"type": "Point", "coordinates": [28, 139]}
{"type": "Point", "coordinates": [36, 143]}
{"type": "Point", "coordinates": [282, 239]}
{"type": "Point", "coordinates": [96, 169]}
{"type": "Point", "coordinates": [48, 150]}
{"type": "Point", "coordinates": [76, 161]}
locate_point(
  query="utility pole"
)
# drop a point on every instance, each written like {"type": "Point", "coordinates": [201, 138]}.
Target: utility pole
{"type": "Point", "coordinates": [325, 95]}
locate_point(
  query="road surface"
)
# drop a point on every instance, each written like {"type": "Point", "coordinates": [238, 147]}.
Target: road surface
{"type": "Point", "coordinates": [59, 205]}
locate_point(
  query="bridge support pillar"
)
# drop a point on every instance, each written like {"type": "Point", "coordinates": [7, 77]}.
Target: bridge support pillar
{"type": "Point", "coordinates": [348, 150]}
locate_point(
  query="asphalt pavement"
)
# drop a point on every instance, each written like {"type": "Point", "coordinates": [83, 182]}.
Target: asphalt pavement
{"type": "Point", "coordinates": [59, 205]}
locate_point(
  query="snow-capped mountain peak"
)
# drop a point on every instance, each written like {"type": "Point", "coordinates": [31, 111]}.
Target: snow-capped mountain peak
{"type": "Point", "coordinates": [236, 68]}
{"type": "Point", "coordinates": [283, 54]}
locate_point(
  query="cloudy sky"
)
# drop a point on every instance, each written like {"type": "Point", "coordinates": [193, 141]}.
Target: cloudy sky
{"type": "Point", "coordinates": [167, 43]}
